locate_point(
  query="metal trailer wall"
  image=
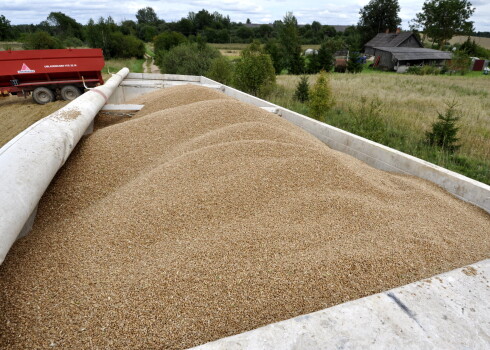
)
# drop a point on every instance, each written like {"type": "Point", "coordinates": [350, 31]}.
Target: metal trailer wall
{"type": "Point", "coordinates": [29, 161]}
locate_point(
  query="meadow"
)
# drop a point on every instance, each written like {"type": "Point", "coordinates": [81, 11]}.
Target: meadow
{"type": "Point", "coordinates": [397, 110]}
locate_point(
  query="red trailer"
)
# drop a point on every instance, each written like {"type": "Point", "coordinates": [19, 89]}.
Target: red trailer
{"type": "Point", "coordinates": [49, 74]}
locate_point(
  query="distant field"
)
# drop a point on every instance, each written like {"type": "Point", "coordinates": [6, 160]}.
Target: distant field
{"type": "Point", "coordinates": [407, 106]}
{"type": "Point", "coordinates": [231, 46]}
{"type": "Point", "coordinates": [234, 50]}
{"type": "Point", "coordinates": [484, 42]}
{"type": "Point", "coordinates": [13, 45]}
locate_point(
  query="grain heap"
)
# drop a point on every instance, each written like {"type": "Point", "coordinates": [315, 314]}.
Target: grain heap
{"type": "Point", "coordinates": [211, 218]}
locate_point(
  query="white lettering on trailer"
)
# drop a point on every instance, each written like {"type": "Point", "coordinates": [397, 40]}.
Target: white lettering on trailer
{"type": "Point", "coordinates": [60, 65]}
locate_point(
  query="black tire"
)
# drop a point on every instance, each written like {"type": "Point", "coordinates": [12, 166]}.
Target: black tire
{"type": "Point", "coordinates": [43, 95]}
{"type": "Point", "coordinates": [70, 92]}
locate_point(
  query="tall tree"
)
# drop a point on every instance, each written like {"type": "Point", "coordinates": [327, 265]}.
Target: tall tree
{"type": "Point", "coordinates": [291, 49]}
{"type": "Point", "coordinates": [147, 16]}
{"type": "Point", "coordinates": [5, 28]}
{"type": "Point", "coordinates": [378, 16]}
{"type": "Point", "coordinates": [442, 19]}
{"type": "Point", "coordinates": [62, 25]}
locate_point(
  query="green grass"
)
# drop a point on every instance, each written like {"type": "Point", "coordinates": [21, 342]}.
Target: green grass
{"type": "Point", "coordinates": [230, 46]}
{"type": "Point", "coordinates": [149, 49]}
{"type": "Point", "coordinates": [401, 121]}
{"type": "Point", "coordinates": [135, 65]}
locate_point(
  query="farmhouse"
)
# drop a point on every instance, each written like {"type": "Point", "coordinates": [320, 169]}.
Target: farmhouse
{"type": "Point", "coordinates": [396, 51]}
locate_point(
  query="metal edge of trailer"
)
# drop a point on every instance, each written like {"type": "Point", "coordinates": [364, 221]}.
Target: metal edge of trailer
{"type": "Point", "coordinates": [448, 311]}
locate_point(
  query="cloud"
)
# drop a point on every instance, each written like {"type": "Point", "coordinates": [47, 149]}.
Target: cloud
{"type": "Point", "coordinates": [259, 11]}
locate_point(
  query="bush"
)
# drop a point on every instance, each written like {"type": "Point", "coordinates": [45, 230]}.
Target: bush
{"type": "Point", "coordinates": [41, 40]}
{"type": "Point", "coordinates": [221, 70]}
{"type": "Point", "coordinates": [72, 41]}
{"type": "Point", "coordinates": [168, 40]}
{"type": "Point", "coordinates": [188, 59]}
{"type": "Point", "coordinates": [321, 99]}
{"type": "Point", "coordinates": [367, 120]}
{"type": "Point", "coordinates": [125, 46]}
{"type": "Point", "coordinates": [444, 130]}
{"type": "Point", "coordinates": [460, 62]}
{"type": "Point", "coordinates": [254, 71]}
{"type": "Point", "coordinates": [354, 64]}
{"type": "Point", "coordinates": [302, 89]}
{"type": "Point", "coordinates": [427, 69]}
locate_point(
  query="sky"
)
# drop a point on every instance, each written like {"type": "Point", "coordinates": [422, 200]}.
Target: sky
{"type": "Point", "coordinates": [329, 12]}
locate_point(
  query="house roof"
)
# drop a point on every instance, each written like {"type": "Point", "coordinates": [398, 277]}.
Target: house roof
{"type": "Point", "coordinates": [416, 53]}
{"type": "Point", "coordinates": [389, 40]}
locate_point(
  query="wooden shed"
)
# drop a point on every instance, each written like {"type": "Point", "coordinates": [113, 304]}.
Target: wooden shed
{"type": "Point", "coordinates": [392, 58]}
{"type": "Point", "coordinates": [403, 39]}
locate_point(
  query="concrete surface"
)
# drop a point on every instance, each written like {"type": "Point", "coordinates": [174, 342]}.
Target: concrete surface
{"type": "Point", "coordinates": [122, 107]}
{"type": "Point", "coordinates": [448, 311]}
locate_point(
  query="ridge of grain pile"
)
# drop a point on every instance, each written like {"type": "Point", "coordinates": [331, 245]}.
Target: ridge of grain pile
{"type": "Point", "coordinates": [212, 218]}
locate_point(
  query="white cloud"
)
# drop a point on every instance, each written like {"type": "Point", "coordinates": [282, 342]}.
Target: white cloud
{"type": "Point", "coordinates": [260, 11]}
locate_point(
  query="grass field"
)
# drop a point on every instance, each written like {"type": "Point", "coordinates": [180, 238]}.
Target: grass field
{"type": "Point", "coordinates": [12, 45]}
{"type": "Point", "coordinates": [484, 42]}
{"type": "Point", "coordinates": [16, 114]}
{"type": "Point", "coordinates": [135, 65]}
{"type": "Point", "coordinates": [397, 110]}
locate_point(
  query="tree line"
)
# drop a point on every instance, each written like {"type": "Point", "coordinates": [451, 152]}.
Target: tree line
{"type": "Point", "coordinates": [439, 19]}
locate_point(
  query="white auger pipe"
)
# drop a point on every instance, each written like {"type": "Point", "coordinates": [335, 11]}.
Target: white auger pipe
{"type": "Point", "coordinates": [29, 162]}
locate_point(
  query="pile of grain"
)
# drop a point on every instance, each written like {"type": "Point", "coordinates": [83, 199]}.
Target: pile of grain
{"type": "Point", "coordinates": [213, 218]}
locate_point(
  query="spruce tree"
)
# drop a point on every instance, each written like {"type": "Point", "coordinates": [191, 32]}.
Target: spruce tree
{"type": "Point", "coordinates": [302, 89]}
{"type": "Point", "coordinates": [444, 130]}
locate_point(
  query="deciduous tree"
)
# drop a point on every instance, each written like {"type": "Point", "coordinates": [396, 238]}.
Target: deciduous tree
{"type": "Point", "coordinates": [5, 28]}
{"type": "Point", "coordinates": [378, 16]}
{"type": "Point", "coordinates": [254, 72]}
{"type": "Point", "coordinates": [290, 46]}
{"type": "Point", "coordinates": [147, 16]}
{"type": "Point", "coordinates": [442, 19]}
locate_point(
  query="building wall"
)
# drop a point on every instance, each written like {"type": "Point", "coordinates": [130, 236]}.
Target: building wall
{"type": "Point", "coordinates": [410, 42]}
{"type": "Point", "coordinates": [369, 51]}
{"type": "Point", "coordinates": [386, 60]}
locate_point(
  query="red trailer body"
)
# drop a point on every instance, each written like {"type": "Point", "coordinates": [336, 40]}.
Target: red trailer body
{"type": "Point", "coordinates": [50, 72]}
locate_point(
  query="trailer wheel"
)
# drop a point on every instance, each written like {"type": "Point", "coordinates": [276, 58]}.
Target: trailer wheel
{"type": "Point", "coordinates": [43, 95]}
{"type": "Point", "coordinates": [70, 92]}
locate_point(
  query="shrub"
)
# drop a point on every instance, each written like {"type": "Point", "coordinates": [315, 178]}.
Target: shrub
{"type": "Point", "coordinates": [188, 58]}
{"type": "Point", "coordinates": [168, 40]}
{"type": "Point", "coordinates": [72, 41]}
{"type": "Point", "coordinates": [302, 89]}
{"type": "Point", "coordinates": [460, 62]}
{"type": "Point", "coordinates": [221, 70]}
{"type": "Point", "coordinates": [41, 40]}
{"type": "Point", "coordinates": [427, 69]}
{"type": "Point", "coordinates": [321, 99]}
{"type": "Point", "coordinates": [254, 71]}
{"type": "Point", "coordinates": [354, 64]}
{"type": "Point", "coordinates": [125, 46]}
{"type": "Point", "coordinates": [367, 120]}
{"type": "Point", "coordinates": [444, 130]}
